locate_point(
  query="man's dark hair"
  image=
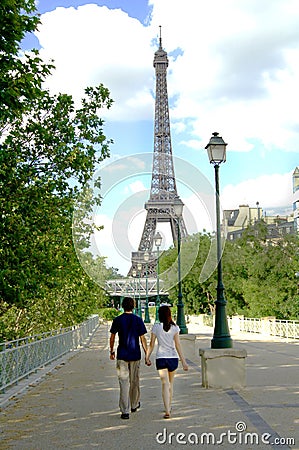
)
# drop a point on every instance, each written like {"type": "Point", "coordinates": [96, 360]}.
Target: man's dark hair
{"type": "Point", "coordinates": [128, 304]}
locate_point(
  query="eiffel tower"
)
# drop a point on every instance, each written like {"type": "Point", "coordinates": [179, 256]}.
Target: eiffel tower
{"type": "Point", "coordinates": [163, 192]}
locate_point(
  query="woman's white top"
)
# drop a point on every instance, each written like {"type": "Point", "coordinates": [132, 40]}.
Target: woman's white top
{"type": "Point", "coordinates": [166, 345]}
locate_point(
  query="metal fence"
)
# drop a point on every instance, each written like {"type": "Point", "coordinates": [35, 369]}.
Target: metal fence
{"type": "Point", "coordinates": [268, 326]}
{"type": "Point", "coordinates": [20, 358]}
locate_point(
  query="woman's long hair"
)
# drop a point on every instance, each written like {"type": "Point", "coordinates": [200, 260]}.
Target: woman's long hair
{"type": "Point", "coordinates": [165, 317]}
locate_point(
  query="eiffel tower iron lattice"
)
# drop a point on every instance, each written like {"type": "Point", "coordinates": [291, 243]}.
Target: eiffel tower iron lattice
{"type": "Point", "coordinates": [163, 193]}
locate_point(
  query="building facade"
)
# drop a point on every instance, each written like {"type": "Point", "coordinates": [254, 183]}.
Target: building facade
{"type": "Point", "coordinates": [296, 198]}
{"type": "Point", "coordinates": [236, 221]}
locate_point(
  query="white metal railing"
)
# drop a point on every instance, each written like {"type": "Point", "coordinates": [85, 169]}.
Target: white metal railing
{"type": "Point", "coordinates": [268, 326]}
{"type": "Point", "coordinates": [20, 358]}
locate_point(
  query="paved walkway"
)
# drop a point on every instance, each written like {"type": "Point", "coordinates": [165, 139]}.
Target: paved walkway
{"type": "Point", "coordinates": [76, 405]}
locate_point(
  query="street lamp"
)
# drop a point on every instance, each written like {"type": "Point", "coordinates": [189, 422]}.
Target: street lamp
{"type": "Point", "coordinates": [134, 273]}
{"type": "Point", "coordinates": [146, 311]}
{"type": "Point", "coordinates": [139, 311]}
{"type": "Point", "coordinates": [158, 242]}
{"type": "Point", "coordinates": [178, 210]}
{"type": "Point", "coordinates": [221, 338]}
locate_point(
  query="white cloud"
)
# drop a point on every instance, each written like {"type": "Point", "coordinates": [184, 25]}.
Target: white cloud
{"type": "Point", "coordinates": [136, 186]}
{"type": "Point", "coordinates": [87, 52]}
{"type": "Point", "coordinates": [198, 215]}
{"type": "Point", "coordinates": [104, 244]}
{"type": "Point", "coordinates": [237, 72]}
{"type": "Point", "coordinates": [269, 190]}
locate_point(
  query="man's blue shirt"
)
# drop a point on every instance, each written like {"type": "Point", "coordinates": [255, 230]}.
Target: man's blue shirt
{"type": "Point", "coordinates": [129, 328]}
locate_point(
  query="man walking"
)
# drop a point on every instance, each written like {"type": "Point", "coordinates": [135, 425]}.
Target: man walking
{"type": "Point", "coordinates": [130, 329]}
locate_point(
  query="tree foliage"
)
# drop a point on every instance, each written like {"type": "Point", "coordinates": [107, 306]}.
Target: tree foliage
{"type": "Point", "coordinates": [263, 281]}
{"type": "Point", "coordinates": [21, 75]}
{"type": "Point", "coordinates": [48, 152]}
{"type": "Point", "coordinates": [197, 297]}
{"type": "Point", "coordinates": [259, 276]}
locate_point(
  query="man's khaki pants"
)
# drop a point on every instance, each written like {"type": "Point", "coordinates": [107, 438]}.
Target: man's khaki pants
{"type": "Point", "coordinates": [128, 377]}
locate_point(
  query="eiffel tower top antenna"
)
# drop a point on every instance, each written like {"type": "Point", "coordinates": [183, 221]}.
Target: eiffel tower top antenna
{"type": "Point", "coordinates": [160, 39]}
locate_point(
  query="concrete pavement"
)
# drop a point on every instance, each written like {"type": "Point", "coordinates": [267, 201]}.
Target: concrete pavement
{"type": "Point", "coordinates": [76, 405]}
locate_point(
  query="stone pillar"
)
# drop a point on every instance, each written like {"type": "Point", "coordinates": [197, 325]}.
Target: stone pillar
{"type": "Point", "coordinates": [223, 368]}
{"type": "Point", "coordinates": [188, 345]}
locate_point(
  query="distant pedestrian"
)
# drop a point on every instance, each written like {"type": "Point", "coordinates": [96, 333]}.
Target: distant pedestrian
{"type": "Point", "coordinates": [130, 329]}
{"type": "Point", "coordinates": [168, 353]}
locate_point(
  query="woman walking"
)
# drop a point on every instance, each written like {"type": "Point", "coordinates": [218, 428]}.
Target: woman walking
{"type": "Point", "coordinates": [168, 353]}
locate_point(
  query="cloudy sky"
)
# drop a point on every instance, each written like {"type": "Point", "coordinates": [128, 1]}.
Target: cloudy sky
{"type": "Point", "coordinates": [233, 68]}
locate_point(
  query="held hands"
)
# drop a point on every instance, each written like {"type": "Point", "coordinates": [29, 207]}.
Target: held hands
{"type": "Point", "coordinates": [147, 354]}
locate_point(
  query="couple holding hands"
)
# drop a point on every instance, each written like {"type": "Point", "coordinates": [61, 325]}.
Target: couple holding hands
{"type": "Point", "coordinates": [131, 329]}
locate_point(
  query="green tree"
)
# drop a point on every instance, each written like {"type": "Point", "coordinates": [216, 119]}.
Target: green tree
{"type": "Point", "coordinates": [197, 296]}
{"type": "Point", "coordinates": [21, 75]}
{"type": "Point", "coordinates": [271, 287]}
{"type": "Point", "coordinates": [259, 276]}
{"type": "Point", "coordinates": [236, 259]}
{"type": "Point", "coordinates": [48, 152]}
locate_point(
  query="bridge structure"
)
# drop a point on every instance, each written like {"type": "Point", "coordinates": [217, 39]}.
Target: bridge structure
{"type": "Point", "coordinates": [145, 292]}
{"type": "Point", "coordinates": [134, 287]}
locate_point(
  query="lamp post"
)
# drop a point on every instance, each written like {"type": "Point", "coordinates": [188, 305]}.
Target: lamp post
{"type": "Point", "coordinates": [158, 242]}
{"type": "Point", "coordinates": [139, 311]}
{"type": "Point", "coordinates": [146, 310]}
{"type": "Point", "coordinates": [178, 209]}
{"type": "Point", "coordinates": [221, 339]}
{"type": "Point", "coordinates": [134, 273]}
